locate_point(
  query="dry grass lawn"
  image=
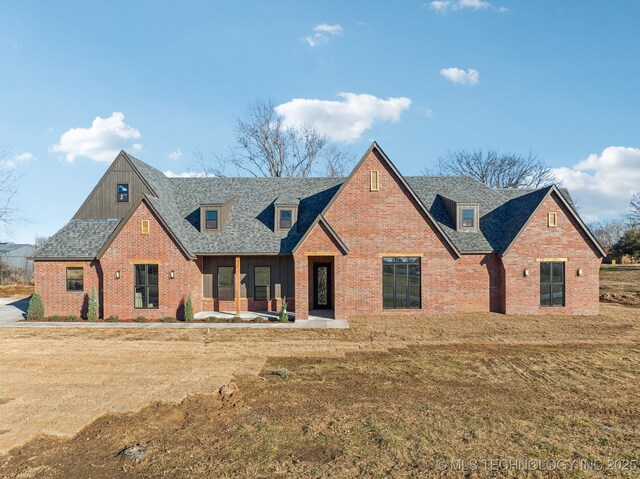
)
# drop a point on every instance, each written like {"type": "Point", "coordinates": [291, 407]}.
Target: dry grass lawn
{"type": "Point", "coordinates": [387, 398]}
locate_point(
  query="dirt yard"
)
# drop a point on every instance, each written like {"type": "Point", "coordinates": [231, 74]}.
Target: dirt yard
{"type": "Point", "coordinates": [620, 284]}
{"type": "Point", "coordinates": [386, 398]}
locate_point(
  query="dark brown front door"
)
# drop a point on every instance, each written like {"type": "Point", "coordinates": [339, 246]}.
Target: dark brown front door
{"type": "Point", "coordinates": [322, 286]}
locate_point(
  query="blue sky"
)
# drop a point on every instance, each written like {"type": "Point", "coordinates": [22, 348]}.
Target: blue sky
{"type": "Point", "coordinates": [559, 79]}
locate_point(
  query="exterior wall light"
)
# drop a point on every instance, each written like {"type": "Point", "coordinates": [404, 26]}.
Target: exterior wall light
{"type": "Point", "coordinates": [579, 272]}
{"type": "Point", "coordinates": [172, 274]}
{"type": "Point", "coordinates": [525, 273]}
{"type": "Point", "coordinates": [118, 274]}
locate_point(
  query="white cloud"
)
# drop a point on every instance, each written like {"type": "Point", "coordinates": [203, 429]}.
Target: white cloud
{"type": "Point", "coordinates": [461, 77]}
{"type": "Point", "coordinates": [175, 155]}
{"type": "Point", "coordinates": [101, 142]}
{"type": "Point", "coordinates": [443, 6]}
{"type": "Point", "coordinates": [16, 160]}
{"type": "Point", "coordinates": [603, 184]}
{"type": "Point", "coordinates": [345, 120]}
{"type": "Point", "coordinates": [322, 33]}
{"type": "Point", "coordinates": [187, 174]}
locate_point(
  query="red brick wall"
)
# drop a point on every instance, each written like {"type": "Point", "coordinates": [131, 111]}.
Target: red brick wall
{"type": "Point", "coordinates": [389, 222]}
{"type": "Point", "coordinates": [50, 282]}
{"type": "Point", "coordinates": [537, 240]}
{"type": "Point", "coordinates": [129, 248]}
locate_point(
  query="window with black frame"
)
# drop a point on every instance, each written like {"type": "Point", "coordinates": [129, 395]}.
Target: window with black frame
{"type": "Point", "coordinates": [123, 193]}
{"type": "Point", "coordinates": [75, 279]}
{"type": "Point", "coordinates": [145, 290]}
{"type": "Point", "coordinates": [401, 283]}
{"type": "Point", "coordinates": [262, 283]}
{"type": "Point", "coordinates": [226, 289]}
{"type": "Point", "coordinates": [552, 283]}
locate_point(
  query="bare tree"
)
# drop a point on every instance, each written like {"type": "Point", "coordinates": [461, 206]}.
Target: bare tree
{"type": "Point", "coordinates": [497, 170]}
{"type": "Point", "coordinates": [40, 240]}
{"type": "Point", "coordinates": [8, 188]}
{"type": "Point", "coordinates": [634, 215]}
{"type": "Point", "coordinates": [608, 232]}
{"type": "Point", "coordinates": [266, 147]}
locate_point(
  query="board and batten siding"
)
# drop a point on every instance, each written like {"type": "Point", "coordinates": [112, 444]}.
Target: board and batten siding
{"type": "Point", "coordinates": [282, 273]}
{"type": "Point", "coordinates": [102, 202]}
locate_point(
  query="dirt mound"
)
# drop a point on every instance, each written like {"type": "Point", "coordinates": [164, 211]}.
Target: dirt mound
{"type": "Point", "coordinates": [628, 299]}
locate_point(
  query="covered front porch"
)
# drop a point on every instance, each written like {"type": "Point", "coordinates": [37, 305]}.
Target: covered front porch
{"type": "Point", "coordinates": [250, 285]}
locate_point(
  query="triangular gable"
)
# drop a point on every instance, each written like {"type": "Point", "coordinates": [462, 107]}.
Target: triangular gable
{"type": "Point", "coordinates": [398, 175]}
{"type": "Point", "coordinates": [122, 156]}
{"type": "Point", "coordinates": [572, 211]}
{"type": "Point", "coordinates": [161, 220]}
{"type": "Point", "coordinates": [321, 220]}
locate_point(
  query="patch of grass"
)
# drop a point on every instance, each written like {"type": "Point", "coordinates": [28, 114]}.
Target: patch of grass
{"type": "Point", "coordinates": [72, 318]}
{"type": "Point", "coordinates": [113, 318]}
{"type": "Point", "coordinates": [235, 319]}
{"type": "Point", "coordinates": [210, 319]}
{"type": "Point", "coordinates": [55, 318]}
{"type": "Point", "coordinates": [140, 319]}
{"type": "Point", "coordinates": [167, 319]}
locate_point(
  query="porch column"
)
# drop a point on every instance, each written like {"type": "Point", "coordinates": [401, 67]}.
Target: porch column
{"type": "Point", "coordinates": [301, 285]}
{"type": "Point", "coordinates": [237, 288]}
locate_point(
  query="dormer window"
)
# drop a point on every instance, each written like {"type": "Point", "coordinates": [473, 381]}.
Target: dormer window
{"type": "Point", "coordinates": [211, 219]}
{"type": "Point", "coordinates": [286, 218]}
{"type": "Point", "coordinates": [468, 218]}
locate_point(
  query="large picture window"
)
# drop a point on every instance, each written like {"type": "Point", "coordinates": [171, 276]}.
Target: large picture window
{"type": "Point", "coordinates": [401, 283]}
{"type": "Point", "coordinates": [226, 289]}
{"type": "Point", "coordinates": [262, 283]}
{"type": "Point", "coordinates": [552, 284]}
{"type": "Point", "coordinates": [75, 279]}
{"type": "Point", "coordinates": [145, 291]}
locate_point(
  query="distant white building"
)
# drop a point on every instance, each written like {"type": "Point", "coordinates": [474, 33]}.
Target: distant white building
{"type": "Point", "coordinates": [18, 257]}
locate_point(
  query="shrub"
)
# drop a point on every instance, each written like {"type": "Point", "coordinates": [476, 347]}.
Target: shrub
{"type": "Point", "coordinates": [282, 372]}
{"type": "Point", "coordinates": [140, 319]}
{"type": "Point", "coordinates": [167, 319]}
{"type": "Point", "coordinates": [210, 319]}
{"type": "Point", "coordinates": [260, 319]}
{"type": "Point", "coordinates": [55, 318]}
{"type": "Point", "coordinates": [283, 317]}
{"type": "Point", "coordinates": [93, 311]}
{"type": "Point", "coordinates": [72, 318]}
{"type": "Point", "coordinates": [36, 308]}
{"type": "Point", "coordinates": [235, 319]}
{"type": "Point", "coordinates": [113, 318]}
{"type": "Point", "coordinates": [188, 309]}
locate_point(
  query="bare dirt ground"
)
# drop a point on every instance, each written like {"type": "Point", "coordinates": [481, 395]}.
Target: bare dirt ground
{"type": "Point", "coordinates": [620, 284]}
{"type": "Point", "coordinates": [387, 398]}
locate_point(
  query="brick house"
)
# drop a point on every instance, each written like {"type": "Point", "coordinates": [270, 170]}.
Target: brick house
{"type": "Point", "coordinates": [372, 243]}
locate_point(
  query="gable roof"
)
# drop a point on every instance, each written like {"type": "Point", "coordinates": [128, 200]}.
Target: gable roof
{"type": "Point", "coordinates": [385, 159]}
{"type": "Point", "coordinates": [541, 196]}
{"type": "Point", "coordinates": [78, 239]}
{"type": "Point", "coordinates": [249, 228]}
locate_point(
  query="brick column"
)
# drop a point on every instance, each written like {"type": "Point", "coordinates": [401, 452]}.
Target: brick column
{"type": "Point", "coordinates": [301, 284]}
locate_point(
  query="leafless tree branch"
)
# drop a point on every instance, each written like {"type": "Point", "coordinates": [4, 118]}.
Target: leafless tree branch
{"type": "Point", "coordinates": [497, 170]}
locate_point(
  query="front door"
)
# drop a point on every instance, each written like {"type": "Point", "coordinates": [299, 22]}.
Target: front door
{"type": "Point", "coordinates": [322, 286]}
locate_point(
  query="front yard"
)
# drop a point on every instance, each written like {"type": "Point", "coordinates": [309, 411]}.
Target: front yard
{"type": "Point", "coordinates": [411, 397]}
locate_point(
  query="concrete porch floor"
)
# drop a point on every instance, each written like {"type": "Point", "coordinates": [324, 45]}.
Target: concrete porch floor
{"type": "Point", "coordinates": [317, 318]}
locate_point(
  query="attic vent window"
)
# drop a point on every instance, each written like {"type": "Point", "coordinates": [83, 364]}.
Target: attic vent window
{"type": "Point", "coordinates": [144, 227]}
{"type": "Point", "coordinates": [122, 195]}
{"type": "Point", "coordinates": [552, 219]}
{"type": "Point", "coordinates": [285, 219]}
{"type": "Point", "coordinates": [375, 186]}
{"type": "Point", "coordinates": [468, 218]}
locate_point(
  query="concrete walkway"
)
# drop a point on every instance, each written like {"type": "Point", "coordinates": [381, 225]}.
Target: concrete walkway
{"type": "Point", "coordinates": [13, 310]}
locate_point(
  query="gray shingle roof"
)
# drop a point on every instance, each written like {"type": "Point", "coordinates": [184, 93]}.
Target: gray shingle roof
{"type": "Point", "coordinates": [250, 226]}
{"type": "Point", "coordinates": [78, 239]}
